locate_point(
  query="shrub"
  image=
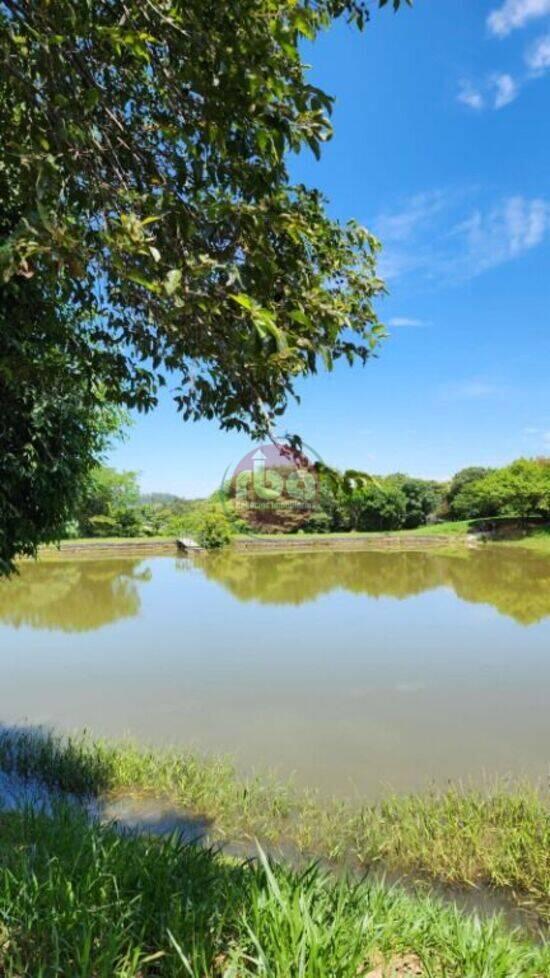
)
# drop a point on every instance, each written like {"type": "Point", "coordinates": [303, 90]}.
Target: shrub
{"type": "Point", "coordinates": [378, 507]}
{"type": "Point", "coordinates": [214, 530]}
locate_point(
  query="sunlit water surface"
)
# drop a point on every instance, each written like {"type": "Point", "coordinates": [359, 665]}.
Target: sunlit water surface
{"type": "Point", "coordinates": [356, 671]}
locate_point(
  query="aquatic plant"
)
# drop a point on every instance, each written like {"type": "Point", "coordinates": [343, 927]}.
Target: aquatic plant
{"type": "Point", "coordinates": [498, 837]}
{"type": "Point", "coordinates": [80, 899]}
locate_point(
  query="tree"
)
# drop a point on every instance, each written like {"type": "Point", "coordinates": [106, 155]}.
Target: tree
{"type": "Point", "coordinates": [422, 497]}
{"type": "Point", "coordinates": [463, 478]}
{"type": "Point", "coordinates": [109, 504]}
{"type": "Point", "coordinates": [144, 191]}
{"type": "Point", "coordinates": [518, 490]}
{"type": "Point", "coordinates": [377, 506]}
{"type": "Point", "coordinates": [54, 422]}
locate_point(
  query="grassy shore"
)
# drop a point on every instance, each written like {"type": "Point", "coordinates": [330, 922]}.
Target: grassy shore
{"type": "Point", "coordinates": [102, 541]}
{"type": "Point", "coordinates": [499, 837]}
{"type": "Point", "coordinates": [433, 529]}
{"type": "Point", "coordinates": [82, 901]}
{"type": "Point", "coordinates": [539, 541]}
{"type": "Point", "coordinates": [440, 534]}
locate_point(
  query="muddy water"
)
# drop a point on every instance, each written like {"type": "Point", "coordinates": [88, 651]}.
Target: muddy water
{"type": "Point", "coordinates": [357, 671]}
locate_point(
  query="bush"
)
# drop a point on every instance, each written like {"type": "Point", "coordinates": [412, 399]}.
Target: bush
{"type": "Point", "coordinates": [214, 530]}
{"type": "Point", "coordinates": [378, 507]}
{"type": "Point", "coordinates": [318, 522]}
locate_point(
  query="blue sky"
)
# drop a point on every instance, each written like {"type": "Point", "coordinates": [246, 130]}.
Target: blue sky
{"type": "Point", "coordinates": [442, 148]}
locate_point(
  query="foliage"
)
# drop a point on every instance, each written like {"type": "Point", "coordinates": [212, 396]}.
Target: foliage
{"type": "Point", "coordinates": [54, 423]}
{"type": "Point", "coordinates": [517, 490]}
{"type": "Point", "coordinates": [145, 157]}
{"type": "Point", "coordinates": [498, 837]}
{"type": "Point", "coordinates": [355, 501]}
{"type": "Point", "coordinates": [460, 481]}
{"type": "Point", "coordinates": [109, 504]}
{"type": "Point", "coordinates": [318, 522]}
{"type": "Point", "coordinates": [214, 529]}
{"type": "Point", "coordinates": [79, 898]}
{"type": "Point", "coordinates": [146, 213]}
{"type": "Point", "coordinates": [422, 498]}
{"type": "Point", "coordinates": [377, 507]}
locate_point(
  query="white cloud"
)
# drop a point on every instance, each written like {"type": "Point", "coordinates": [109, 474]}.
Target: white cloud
{"type": "Point", "coordinates": [417, 212]}
{"type": "Point", "coordinates": [495, 92]}
{"type": "Point", "coordinates": [537, 56]}
{"type": "Point", "coordinates": [507, 231]}
{"type": "Point", "coordinates": [405, 321]}
{"type": "Point", "coordinates": [470, 96]}
{"type": "Point", "coordinates": [505, 90]}
{"type": "Point", "coordinates": [513, 14]}
{"type": "Point", "coordinates": [450, 245]}
{"type": "Point", "coordinates": [469, 390]}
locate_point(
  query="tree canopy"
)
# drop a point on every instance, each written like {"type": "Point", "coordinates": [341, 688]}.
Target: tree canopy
{"type": "Point", "coordinates": [518, 490]}
{"type": "Point", "coordinates": [145, 195]}
{"type": "Point", "coordinates": [146, 148]}
{"type": "Point", "coordinates": [54, 422]}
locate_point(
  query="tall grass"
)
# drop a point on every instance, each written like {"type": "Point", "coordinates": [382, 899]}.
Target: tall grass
{"type": "Point", "coordinates": [79, 900]}
{"type": "Point", "coordinates": [499, 837]}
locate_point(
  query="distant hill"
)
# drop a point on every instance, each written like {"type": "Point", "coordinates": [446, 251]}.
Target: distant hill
{"type": "Point", "coordinates": [164, 499]}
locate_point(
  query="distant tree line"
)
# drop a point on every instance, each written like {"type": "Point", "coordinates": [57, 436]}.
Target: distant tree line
{"type": "Point", "coordinates": [111, 505]}
{"type": "Point", "coordinates": [399, 501]}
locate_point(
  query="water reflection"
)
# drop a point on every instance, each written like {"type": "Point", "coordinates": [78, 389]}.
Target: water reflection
{"type": "Point", "coordinates": [515, 582]}
{"type": "Point", "coordinates": [80, 595]}
{"type": "Point", "coordinates": [355, 670]}
{"type": "Point", "coordinates": [72, 595]}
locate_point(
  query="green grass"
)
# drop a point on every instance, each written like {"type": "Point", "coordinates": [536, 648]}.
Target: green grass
{"type": "Point", "coordinates": [458, 528]}
{"type": "Point", "coordinates": [436, 529]}
{"type": "Point", "coordinates": [539, 541]}
{"type": "Point", "coordinates": [499, 837]}
{"type": "Point", "coordinates": [98, 541]}
{"type": "Point", "coordinates": [80, 901]}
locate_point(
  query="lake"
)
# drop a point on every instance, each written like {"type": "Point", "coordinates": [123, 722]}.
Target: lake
{"type": "Point", "coordinates": [356, 671]}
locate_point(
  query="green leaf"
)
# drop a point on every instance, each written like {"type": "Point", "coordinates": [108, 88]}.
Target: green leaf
{"type": "Point", "coordinates": [299, 316]}
{"type": "Point", "coordinates": [146, 283]}
{"type": "Point", "coordinates": [244, 300]}
{"type": "Point", "coordinates": [172, 280]}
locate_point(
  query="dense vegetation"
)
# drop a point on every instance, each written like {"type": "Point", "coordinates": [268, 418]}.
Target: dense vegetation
{"type": "Point", "coordinates": [519, 489]}
{"type": "Point", "coordinates": [401, 502]}
{"type": "Point", "coordinates": [149, 226]}
{"type": "Point", "coordinates": [111, 505]}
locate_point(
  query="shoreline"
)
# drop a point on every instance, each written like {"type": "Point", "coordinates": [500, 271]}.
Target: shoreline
{"type": "Point", "coordinates": [356, 541]}
{"type": "Point", "coordinates": [420, 540]}
{"type": "Point", "coordinates": [493, 840]}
